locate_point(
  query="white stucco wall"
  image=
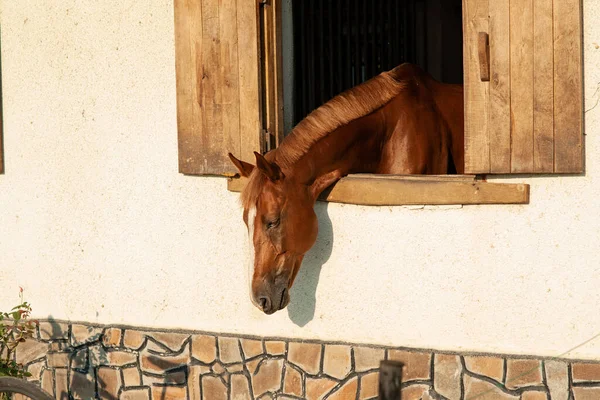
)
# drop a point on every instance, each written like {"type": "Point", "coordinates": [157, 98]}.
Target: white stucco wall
{"type": "Point", "coordinates": [96, 224]}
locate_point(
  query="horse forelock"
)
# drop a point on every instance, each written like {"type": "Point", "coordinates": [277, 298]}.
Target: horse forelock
{"type": "Point", "coordinates": [254, 186]}
{"type": "Point", "coordinates": [346, 107]}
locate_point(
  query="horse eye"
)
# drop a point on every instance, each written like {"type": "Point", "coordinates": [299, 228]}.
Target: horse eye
{"type": "Point", "coordinates": [272, 224]}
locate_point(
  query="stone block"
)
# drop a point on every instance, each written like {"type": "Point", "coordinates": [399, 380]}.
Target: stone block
{"type": "Point", "coordinates": [415, 392]}
{"type": "Point", "coordinates": [240, 388]}
{"type": "Point", "coordinates": [54, 330]}
{"type": "Point", "coordinates": [368, 358]}
{"type": "Point", "coordinates": [213, 389]}
{"type": "Point", "coordinates": [97, 356]}
{"type": "Point", "coordinates": [131, 377]}
{"type": "Point", "coordinates": [347, 391]}
{"type": "Point", "coordinates": [83, 386]}
{"type": "Point", "coordinates": [417, 365]}
{"type": "Point", "coordinates": [369, 386]}
{"type": "Point", "coordinates": [337, 361]}
{"type": "Point", "coordinates": [483, 390]}
{"type": "Point", "coordinates": [586, 393]}
{"type": "Point", "coordinates": [82, 334]}
{"type": "Point", "coordinates": [233, 368]}
{"type": "Point", "coordinates": [109, 382]}
{"type": "Point", "coordinates": [31, 350]}
{"type": "Point", "coordinates": [229, 350]}
{"type": "Point", "coordinates": [204, 348]}
{"type": "Point", "coordinates": [292, 382]}
{"type": "Point", "coordinates": [171, 340]}
{"type": "Point", "coordinates": [557, 378]}
{"type": "Point", "coordinates": [171, 378]}
{"type": "Point", "coordinates": [447, 376]}
{"type": "Point", "coordinates": [62, 383]}
{"type": "Point", "coordinates": [160, 364]}
{"type": "Point", "coordinates": [275, 348]}
{"type": "Point", "coordinates": [307, 356]}
{"type": "Point", "coordinates": [133, 339]}
{"type": "Point", "coordinates": [35, 370]}
{"type": "Point", "coordinates": [58, 360]}
{"type": "Point", "coordinates": [318, 388]}
{"type": "Point", "coordinates": [534, 395]}
{"type": "Point", "coordinates": [193, 383]}
{"type": "Point", "coordinates": [522, 373]}
{"type": "Point", "coordinates": [492, 367]}
{"type": "Point", "coordinates": [585, 372]}
{"type": "Point", "coordinates": [268, 377]}
{"type": "Point", "coordinates": [168, 393]}
{"type": "Point", "coordinates": [218, 368]}
{"type": "Point", "coordinates": [251, 348]}
{"type": "Point", "coordinates": [112, 337]}
{"type": "Point", "coordinates": [48, 381]}
{"type": "Point", "coordinates": [135, 394]}
{"type": "Point", "coordinates": [120, 358]}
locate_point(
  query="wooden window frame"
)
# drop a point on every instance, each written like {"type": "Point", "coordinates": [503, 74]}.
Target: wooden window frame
{"type": "Point", "coordinates": [365, 189]}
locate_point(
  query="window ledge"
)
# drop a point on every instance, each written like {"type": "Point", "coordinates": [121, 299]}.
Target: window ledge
{"type": "Point", "coordinates": [402, 190]}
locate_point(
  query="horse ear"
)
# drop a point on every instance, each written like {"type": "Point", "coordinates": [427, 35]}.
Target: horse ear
{"type": "Point", "coordinates": [270, 169]}
{"type": "Point", "coordinates": [244, 168]}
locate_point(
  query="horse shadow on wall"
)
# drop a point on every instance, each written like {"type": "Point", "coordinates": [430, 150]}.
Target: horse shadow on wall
{"type": "Point", "coordinates": [301, 309]}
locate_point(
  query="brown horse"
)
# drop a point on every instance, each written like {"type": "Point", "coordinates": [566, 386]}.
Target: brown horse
{"type": "Point", "coordinates": [399, 122]}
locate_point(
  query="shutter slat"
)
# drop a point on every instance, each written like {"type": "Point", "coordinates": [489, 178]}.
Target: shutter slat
{"type": "Point", "coordinates": [212, 117]}
{"type": "Point", "coordinates": [227, 78]}
{"type": "Point", "coordinates": [543, 84]}
{"type": "Point", "coordinates": [521, 83]}
{"type": "Point", "coordinates": [188, 31]}
{"type": "Point", "coordinates": [477, 144]}
{"type": "Point", "coordinates": [499, 87]}
{"type": "Point", "coordinates": [247, 45]}
{"type": "Point", "coordinates": [568, 111]}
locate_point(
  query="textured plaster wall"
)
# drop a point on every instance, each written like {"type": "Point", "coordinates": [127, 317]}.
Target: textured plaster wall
{"type": "Point", "coordinates": [96, 224]}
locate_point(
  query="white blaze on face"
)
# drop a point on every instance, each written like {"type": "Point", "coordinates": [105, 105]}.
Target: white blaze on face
{"type": "Point", "coordinates": [251, 254]}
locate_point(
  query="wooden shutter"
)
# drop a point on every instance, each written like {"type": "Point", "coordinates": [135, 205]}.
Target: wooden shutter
{"type": "Point", "coordinates": [527, 117]}
{"type": "Point", "coordinates": [218, 83]}
{"type": "Point", "coordinates": [272, 72]}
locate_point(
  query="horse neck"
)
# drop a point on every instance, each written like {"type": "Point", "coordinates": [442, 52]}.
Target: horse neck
{"type": "Point", "coordinates": [352, 148]}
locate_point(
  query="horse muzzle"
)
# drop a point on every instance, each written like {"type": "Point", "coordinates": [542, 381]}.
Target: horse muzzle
{"type": "Point", "coordinates": [273, 299]}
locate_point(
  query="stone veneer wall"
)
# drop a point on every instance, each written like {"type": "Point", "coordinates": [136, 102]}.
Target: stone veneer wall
{"type": "Point", "coordinates": [82, 361]}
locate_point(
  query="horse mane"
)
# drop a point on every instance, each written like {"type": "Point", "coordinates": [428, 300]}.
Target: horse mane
{"type": "Point", "coordinates": [344, 108]}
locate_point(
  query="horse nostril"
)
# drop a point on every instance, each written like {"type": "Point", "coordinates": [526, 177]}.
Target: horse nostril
{"type": "Point", "coordinates": [264, 303]}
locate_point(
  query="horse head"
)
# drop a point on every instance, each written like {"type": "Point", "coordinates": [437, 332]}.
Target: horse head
{"type": "Point", "coordinates": [282, 227]}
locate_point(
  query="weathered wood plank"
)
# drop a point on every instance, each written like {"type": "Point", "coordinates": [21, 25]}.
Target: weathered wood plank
{"type": "Point", "coordinates": [228, 78]}
{"type": "Point", "coordinates": [543, 87]}
{"type": "Point", "coordinates": [278, 69]}
{"type": "Point", "coordinates": [213, 140]}
{"type": "Point", "coordinates": [249, 79]}
{"type": "Point", "coordinates": [499, 125]}
{"type": "Point", "coordinates": [445, 178]}
{"type": "Point", "coordinates": [376, 191]}
{"type": "Point", "coordinates": [521, 82]}
{"type": "Point", "coordinates": [188, 29]}
{"type": "Point", "coordinates": [568, 103]}
{"type": "Point", "coordinates": [477, 143]}
{"type": "Point", "coordinates": [268, 74]}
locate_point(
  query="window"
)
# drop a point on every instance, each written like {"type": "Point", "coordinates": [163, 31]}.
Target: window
{"type": "Point", "coordinates": [522, 80]}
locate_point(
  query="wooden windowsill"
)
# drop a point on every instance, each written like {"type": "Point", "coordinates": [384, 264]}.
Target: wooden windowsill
{"type": "Point", "coordinates": [400, 190]}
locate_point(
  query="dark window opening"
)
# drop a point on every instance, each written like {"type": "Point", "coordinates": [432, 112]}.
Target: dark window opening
{"type": "Point", "coordinates": [338, 44]}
